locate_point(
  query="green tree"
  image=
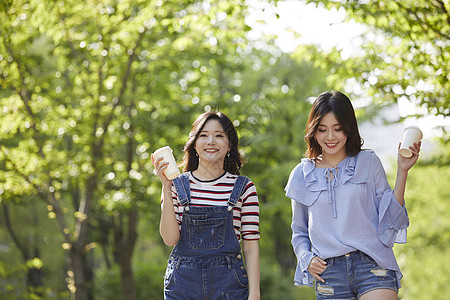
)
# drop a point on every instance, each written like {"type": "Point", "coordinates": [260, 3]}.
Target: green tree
{"type": "Point", "coordinates": [29, 249]}
{"type": "Point", "coordinates": [86, 91]}
{"type": "Point", "coordinates": [273, 94]}
{"type": "Point", "coordinates": [89, 90]}
{"type": "Point", "coordinates": [405, 52]}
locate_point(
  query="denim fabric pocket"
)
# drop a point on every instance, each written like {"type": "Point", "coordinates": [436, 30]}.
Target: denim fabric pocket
{"type": "Point", "coordinates": [206, 233]}
{"type": "Point", "coordinates": [241, 274]}
{"type": "Point", "coordinates": [367, 258]}
{"type": "Point", "coordinates": [168, 276]}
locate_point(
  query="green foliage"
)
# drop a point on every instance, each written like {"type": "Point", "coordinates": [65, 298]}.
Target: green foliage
{"type": "Point", "coordinates": [108, 284]}
{"type": "Point", "coordinates": [421, 258]}
{"type": "Point", "coordinates": [405, 56]}
{"type": "Point", "coordinates": [276, 285]}
{"type": "Point", "coordinates": [38, 237]}
{"type": "Point", "coordinates": [404, 53]}
{"type": "Point", "coordinates": [90, 90]}
{"type": "Point", "coordinates": [273, 110]}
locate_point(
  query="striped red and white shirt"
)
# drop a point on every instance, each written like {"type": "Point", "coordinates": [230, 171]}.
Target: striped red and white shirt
{"type": "Point", "coordinates": [217, 192]}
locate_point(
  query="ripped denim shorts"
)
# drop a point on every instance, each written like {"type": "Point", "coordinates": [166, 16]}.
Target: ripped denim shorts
{"type": "Point", "coordinates": [351, 275]}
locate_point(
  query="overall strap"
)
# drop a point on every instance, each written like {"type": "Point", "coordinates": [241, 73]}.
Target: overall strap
{"type": "Point", "coordinates": [238, 189]}
{"type": "Point", "coordinates": [183, 188]}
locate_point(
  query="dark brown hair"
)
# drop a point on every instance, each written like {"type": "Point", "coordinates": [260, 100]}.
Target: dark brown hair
{"type": "Point", "coordinates": [232, 163]}
{"type": "Point", "coordinates": [340, 105]}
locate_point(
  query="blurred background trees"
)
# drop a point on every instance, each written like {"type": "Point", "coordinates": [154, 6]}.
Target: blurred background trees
{"type": "Point", "coordinates": [89, 90]}
{"type": "Point", "coordinates": [404, 55]}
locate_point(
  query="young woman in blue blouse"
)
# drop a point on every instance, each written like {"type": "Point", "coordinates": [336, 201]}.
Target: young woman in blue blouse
{"type": "Point", "coordinates": [346, 217]}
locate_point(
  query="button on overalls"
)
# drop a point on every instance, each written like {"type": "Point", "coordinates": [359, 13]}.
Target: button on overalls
{"type": "Point", "coordinates": [206, 263]}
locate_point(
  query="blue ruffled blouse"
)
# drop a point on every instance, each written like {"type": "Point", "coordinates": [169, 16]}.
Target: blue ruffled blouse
{"type": "Point", "coordinates": [354, 209]}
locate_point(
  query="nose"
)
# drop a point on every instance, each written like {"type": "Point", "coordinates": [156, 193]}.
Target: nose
{"type": "Point", "coordinates": [330, 134]}
{"type": "Point", "coordinates": [211, 139]}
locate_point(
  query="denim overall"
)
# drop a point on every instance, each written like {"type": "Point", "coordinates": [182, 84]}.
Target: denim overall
{"type": "Point", "coordinates": [206, 263]}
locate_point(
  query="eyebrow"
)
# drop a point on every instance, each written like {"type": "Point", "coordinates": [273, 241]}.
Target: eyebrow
{"type": "Point", "coordinates": [323, 125]}
{"type": "Point", "coordinates": [221, 131]}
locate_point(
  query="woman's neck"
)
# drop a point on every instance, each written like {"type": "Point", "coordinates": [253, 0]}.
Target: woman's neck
{"type": "Point", "coordinates": [208, 172]}
{"type": "Point", "coordinates": [331, 161]}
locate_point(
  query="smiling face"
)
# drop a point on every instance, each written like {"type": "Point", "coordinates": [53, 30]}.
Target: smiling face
{"type": "Point", "coordinates": [212, 143]}
{"type": "Point", "coordinates": [331, 137]}
{"type": "Point", "coordinates": [340, 112]}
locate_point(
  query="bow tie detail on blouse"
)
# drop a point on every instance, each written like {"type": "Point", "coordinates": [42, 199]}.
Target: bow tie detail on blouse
{"type": "Point", "coordinates": [331, 178]}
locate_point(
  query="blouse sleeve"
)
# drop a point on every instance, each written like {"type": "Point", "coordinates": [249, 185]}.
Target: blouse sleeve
{"type": "Point", "coordinates": [296, 190]}
{"type": "Point", "coordinates": [301, 243]}
{"type": "Point", "coordinates": [250, 213]}
{"type": "Point", "coordinates": [392, 217]}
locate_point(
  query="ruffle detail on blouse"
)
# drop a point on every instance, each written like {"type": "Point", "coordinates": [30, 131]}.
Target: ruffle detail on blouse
{"type": "Point", "coordinates": [313, 185]}
{"type": "Point", "coordinates": [302, 275]}
{"type": "Point", "coordinates": [308, 185]}
{"type": "Point", "coordinates": [356, 173]}
{"type": "Point", "coordinates": [393, 220]}
{"type": "Point", "coordinates": [303, 186]}
{"type": "Point", "coordinates": [347, 170]}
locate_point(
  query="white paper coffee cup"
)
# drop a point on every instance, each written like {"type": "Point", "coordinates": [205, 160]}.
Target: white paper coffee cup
{"type": "Point", "coordinates": [172, 170]}
{"type": "Point", "coordinates": [411, 135]}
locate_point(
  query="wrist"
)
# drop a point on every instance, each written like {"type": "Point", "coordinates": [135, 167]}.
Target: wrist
{"type": "Point", "coordinates": [254, 295]}
{"type": "Point", "coordinates": [167, 188]}
{"type": "Point", "coordinates": [401, 170]}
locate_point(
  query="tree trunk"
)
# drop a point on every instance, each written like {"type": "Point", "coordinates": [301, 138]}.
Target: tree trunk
{"type": "Point", "coordinates": [80, 284]}
{"type": "Point", "coordinates": [126, 241]}
{"type": "Point", "coordinates": [34, 279]}
{"type": "Point", "coordinates": [124, 244]}
{"type": "Point", "coordinates": [127, 279]}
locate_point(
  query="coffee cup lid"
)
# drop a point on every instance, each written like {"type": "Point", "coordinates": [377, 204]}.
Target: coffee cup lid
{"type": "Point", "coordinates": [162, 149]}
{"type": "Point", "coordinates": [415, 127]}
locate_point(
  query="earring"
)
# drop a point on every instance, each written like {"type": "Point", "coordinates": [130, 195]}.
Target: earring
{"type": "Point", "coordinates": [228, 153]}
{"type": "Point", "coordinates": [195, 153]}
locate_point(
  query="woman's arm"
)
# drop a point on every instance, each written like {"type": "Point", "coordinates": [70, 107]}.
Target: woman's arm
{"type": "Point", "coordinates": [251, 256]}
{"type": "Point", "coordinates": [302, 245]}
{"type": "Point", "coordinates": [403, 166]}
{"type": "Point", "coordinates": [168, 226]}
{"type": "Point", "coordinates": [392, 216]}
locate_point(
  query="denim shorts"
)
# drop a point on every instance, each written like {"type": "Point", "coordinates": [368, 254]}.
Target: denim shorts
{"type": "Point", "coordinates": [351, 275]}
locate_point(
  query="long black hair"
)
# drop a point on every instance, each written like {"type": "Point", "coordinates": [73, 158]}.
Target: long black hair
{"type": "Point", "coordinates": [232, 163]}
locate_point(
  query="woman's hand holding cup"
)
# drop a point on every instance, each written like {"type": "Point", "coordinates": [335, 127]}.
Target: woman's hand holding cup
{"type": "Point", "coordinates": [165, 165]}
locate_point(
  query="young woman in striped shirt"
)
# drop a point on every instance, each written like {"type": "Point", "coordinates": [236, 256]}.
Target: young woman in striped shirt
{"type": "Point", "coordinates": [207, 212]}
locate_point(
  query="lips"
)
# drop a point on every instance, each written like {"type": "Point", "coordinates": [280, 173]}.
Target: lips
{"type": "Point", "coordinates": [331, 145]}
